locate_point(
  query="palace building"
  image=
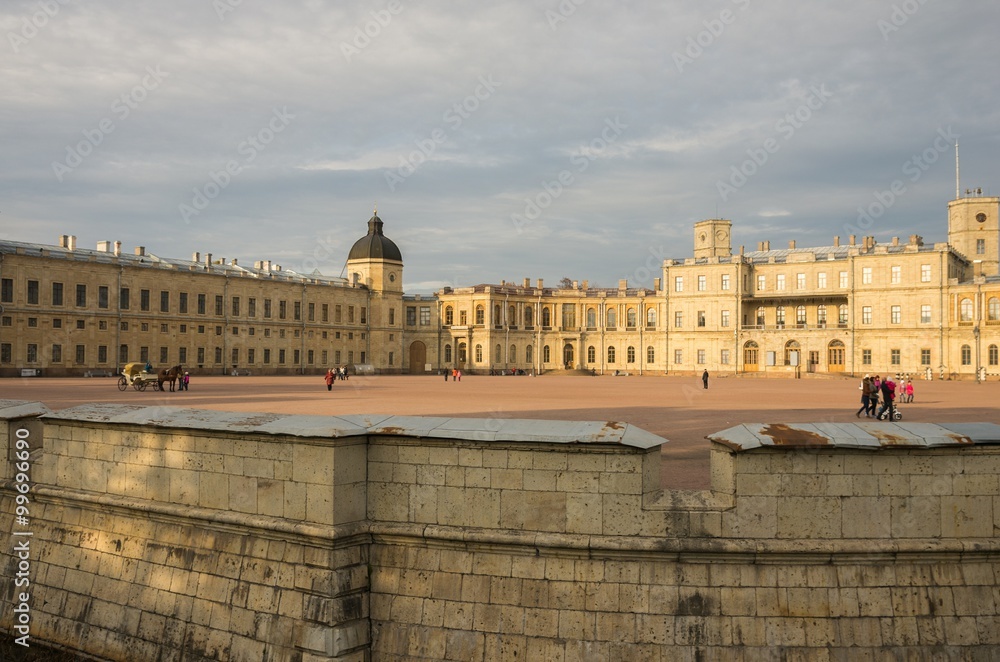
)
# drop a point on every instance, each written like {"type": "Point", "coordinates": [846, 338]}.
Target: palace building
{"type": "Point", "coordinates": [851, 307]}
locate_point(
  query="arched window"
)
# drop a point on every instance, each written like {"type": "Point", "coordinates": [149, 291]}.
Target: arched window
{"type": "Point", "coordinates": [630, 354]}
{"type": "Point", "coordinates": [591, 354]}
{"type": "Point", "coordinates": [993, 309]}
{"type": "Point", "coordinates": [779, 316]}
{"type": "Point", "coordinates": [750, 350]}
{"type": "Point", "coordinates": [821, 315]}
{"type": "Point", "coordinates": [651, 317]}
{"type": "Point", "coordinates": [463, 352]}
{"type": "Point", "coordinates": [449, 316]}
{"type": "Point", "coordinates": [842, 314]}
{"type": "Point", "coordinates": [966, 355]}
{"type": "Point", "coordinates": [512, 315]}
{"type": "Point", "coordinates": [800, 314]}
{"type": "Point", "coordinates": [760, 316]}
{"type": "Point", "coordinates": [546, 316]}
{"type": "Point", "coordinates": [993, 354]}
{"type": "Point", "coordinates": [512, 357]}
{"type": "Point", "coordinates": [650, 354]}
{"type": "Point", "coordinates": [965, 310]}
{"type": "Point", "coordinates": [480, 315]}
{"type": "Point", "coordinates": [528, 354]}
{"type": "Point", "coordinates": [529, 316]}
{"type": "Point", "coordinates": [447, 353]}
{"type": "Point", "coordinates": [591, 318]}
{"type": "Point", "coordinates": [546, 354]}
{"type": "Point", "coordinates": [497, 314]}
{"type": "Point", "coordinates": [630, 318]}
{"type": "Point", "coordinates": [612, 319]}
{"type": "Point", "coordinates": [611, 354]}
{"type": "Point", "coordinates": [792, 353]}
{"type": "Point", "coordinates": [479, 353]}
{"type": "Point", "coordinates": [498, 353]}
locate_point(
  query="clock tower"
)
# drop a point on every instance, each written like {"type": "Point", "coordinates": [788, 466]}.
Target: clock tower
{"type": "Point", "coordinates": [712, 238]}
{"type": "Point", "coordinates": [974, 230]}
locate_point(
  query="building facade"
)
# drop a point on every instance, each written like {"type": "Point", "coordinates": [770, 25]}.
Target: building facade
{"type": "Point", "coordinates": [847, 308]}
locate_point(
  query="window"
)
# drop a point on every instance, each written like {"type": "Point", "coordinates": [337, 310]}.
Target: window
{"type": "Point", "coordinates": [102, 353]}
{"type": "Point", "coordinates": [702, 283]}
{"type": "Point", "coordinates": [725, 282]}
{"type": "Point", "coordinates": [678, 356]}
{"type": "Point", "coordinates": [612, 319]}
{"type": "Point", "coordinates": [57, 353]}
{"type": "Point", "coordinates": [411, 315]}
{"type": "Point", "coordinates": [425, 315]}
{"type": "Point", "coordinates": [201, 304]}
{"type": "Point", "coordinates": [980, 246]}
{"type": "Point", "coordinates": [124, 326]}
{"type": "Point", "coordinates": [528, 354]}
{"type": "Point", "coordinates": [701, 318]}
{"type": "Point", "coordinates": [760, 316]}
{"type": "Point", "coordinates": [725, 318]}
{"type": "Point", "coordinates": [678, 283]}
{"type": "Point", "coordinates": [894, 358]}
{"type": "Point", "coordinates": [182, 303]}
{"type": "Point", "coordinates": [546, 354]}
{"type": "Point", "coordinates": [267, 355]}
{"type": "Point", "coordinates": [144, 300]}
{"type": "Point", "coordinates": [843, 279]}
{"type": "Point", "coordinates": [81, 296]}
{"type": "Point", "coordinates": [528, 318]}
{"type": "Point", "coordinates": [866, 275]}
{"type": "Point", "coordinates": [236, 306]}
{"type": "Point", "coordinates": [630, 318]}
{"type": "Point", "coordinates": [800, 281]}
{"type": "Point", "coordinates": [895, 314]}
{"type": "Point", "coordinates": [866, 314]}
{"type": "Point", "coordinates": [392, 316]}
{"type": "Point", "coordinates": [925, 313]}
{"type": "Point", "coordinates": [546, 317]}
{"type": "Point", "coordinates": [7, 320]}
{"type": "Point", "coordinates": [7, 290]}
{"type": "Point", "coordinates": [33, 292]}
{"type": "Point", "coordinates": [630, 354]}
{"type": "Point", "coordinates": [447, 354]}
{"type": "Point", "coordinates": [611, 354]}
{"type": "Point", "coordinates": [480, 315]}
{"type": "Point", "coordinates": [164, 301]}
{"type": "Point", "coordinates": [760, 283]}
{"type": "Point", "coordinates": [163, 355]}
{"type": "Point", "coordinates": [497, 354]}
{"type": "Point", "coordinates": [650, 354]}
{"type": "Point", "coordinates": [842, 314]}
{"type": "Point", "coordinates": [250, 356]}
{"type": "Point", "coordinates": [297, 312]}
{"type": "Point", "coordinates": [965, 310]}
{"type": "Point", "coordinates": [312, 313]}
{"type": "Point", "coordinates": [701, 357]}
{"type": "Point", "coordinates": [821, 280]}
{"type": "Point", "coordinates": [866, 357]}
{"type": "Point", "coordinates": [821, 316]}
{"type": "Point", "coordinates": [966, 355]}
{"type": "Point", "coordinates": [993, 309]}
{"type": "Point", "coordinates": [650, 317]}
{"type": "Point", "coordinates": [925, 273]}
{"type": "Point", "coordinates": [123, 354]}
{"type": "Point", "coordinates": [512, 355]}
{"type": "Point", "coordinates": [800, 315]}
{"type": "Point", "coordinates": [678, 319]}
{"type": "Point", "coordinates": [324, 312]}
{"type": "Point", "coordinates": [992, 355]}
{"type": "Point", "coordinates": [591, 318]}
{"type": "Point", "coordinates": [218, 355]}
{"type": "Point", "coordinates": [780, 283]}
{"type": "Point", "coordinates": [724, 357]}
{"type": "Point", "coordinates": [57, 294]}
{"type": "Point", "coordinates": [569, 315]}
{"type": "Point", "coordinates": [591, 354]}
{"type": "Point", "coordinates": [449, 316]}
{"type": "Point", "coordinates": [779, 316]}
{"type": "Point", "coordinates": [32, 322]}
{"type": "Point", "coordinates": [750, 353]}
{"type": "Point", "coordinates": [32, 353]}
{"type": "Point", "coordinates": [895, 275]}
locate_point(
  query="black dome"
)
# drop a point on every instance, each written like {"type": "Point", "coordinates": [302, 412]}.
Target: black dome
{"type": "Point", "coordinates": [375, 245]}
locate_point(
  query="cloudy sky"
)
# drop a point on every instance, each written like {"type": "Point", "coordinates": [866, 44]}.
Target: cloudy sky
{"type": "Point", "coordinates": [539, 138]}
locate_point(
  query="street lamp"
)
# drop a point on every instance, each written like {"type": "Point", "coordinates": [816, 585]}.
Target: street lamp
{"type": "Point", "coordinates": [975, 335]}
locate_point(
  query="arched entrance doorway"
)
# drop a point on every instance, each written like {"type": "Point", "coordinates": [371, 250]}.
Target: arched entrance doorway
{"type": "Point", "coordinates": [568, 356]}
{"type": "Point", "coordinates": [418, 357]}
{"type": "Point", "coordinates": [835, 356]}
{"type": "Point", "coordinates": [751, 354]}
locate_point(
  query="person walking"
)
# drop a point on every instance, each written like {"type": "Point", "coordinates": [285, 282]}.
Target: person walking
{"type": "Point", "coordinates": [704, 378]}
{"type": "Point", "coordinates": [185, 380]}
{"type": "Point", "coordinates": [866, 399]}
{"type": "Point", "coordinates": [909, 390]}
{"type": "Point", "coordinates": [888, 395]}
{"type": "Point", "coordinates": [329, 379]}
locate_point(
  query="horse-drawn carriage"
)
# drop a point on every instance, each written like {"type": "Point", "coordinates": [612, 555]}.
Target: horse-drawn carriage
{"type": "Point", "coordinates": [135, 375]}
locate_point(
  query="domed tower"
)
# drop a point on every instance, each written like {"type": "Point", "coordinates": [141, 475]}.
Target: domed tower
{"type": "Point", "coordinates": [375, 261]}
{"type": "Point", "coordinates": [376, 264]}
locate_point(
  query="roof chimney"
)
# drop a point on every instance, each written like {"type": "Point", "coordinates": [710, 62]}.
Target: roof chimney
{"type": "Point", "coordinates": [836, 240]}
{"type": "Point", "coordinates": [895, 241]}
{"type": "Point", "coordinates": [104, 246]}
{"type": "Point", "coordinates": [540, 282]}
{"type": "Point", "coordinates": [208, 259]}
{"type": "Point", "coordinates": [72, 242]}
{"type": "Point", "coordinates": [791, 244]}
{"type": "Point", "coordinates": [118, 248]}
{"type": "Point", "coordinates": [140, 250]}
{"type": "Point", "coordinates": [852, 239]}
{"type": "Point", "coordinates": [623, 284]}
{"type": "Point", "coordinates": [63, 240]}
{"type": "Point", "coordinates": [196, 256]}
{"type": "Point", "coordinates": [527, 282]}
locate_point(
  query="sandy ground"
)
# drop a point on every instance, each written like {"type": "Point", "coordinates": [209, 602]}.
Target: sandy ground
{"type": "Point", "coordinates": [678, 409]}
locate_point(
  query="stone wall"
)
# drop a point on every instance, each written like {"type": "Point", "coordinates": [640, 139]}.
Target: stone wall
{"type": "Point", "coordinates": [207, 535]}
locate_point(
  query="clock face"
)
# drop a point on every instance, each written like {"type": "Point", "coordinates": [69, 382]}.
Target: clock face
{"type": "Point", "coordinates": [981, 217]}
{"type": "Point", "coordinates": [392, 278]}
{"type": "Point", "coordinates": [721, 235]}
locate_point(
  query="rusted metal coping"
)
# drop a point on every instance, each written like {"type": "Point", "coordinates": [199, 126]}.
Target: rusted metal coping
{"type": "Point", "coordinates": [868, 434]}
{"type": "Point", "coordinates": [475, 429]}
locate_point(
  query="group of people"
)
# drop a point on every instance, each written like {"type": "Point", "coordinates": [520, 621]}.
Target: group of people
{"type": "Point", "coordinates": [874, 389]}
{"type": "Point", "coordinates": [333, 374]}
{"type": "Point", "coordinates": [456, 375]}
{"type": "Point", "coordinates": [183, 381]}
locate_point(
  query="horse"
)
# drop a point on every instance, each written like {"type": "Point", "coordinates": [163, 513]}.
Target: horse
{"type": "Point", "coordinates": [169, 375]}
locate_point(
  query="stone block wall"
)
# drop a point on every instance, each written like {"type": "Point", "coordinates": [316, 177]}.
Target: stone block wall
{"type": "Point", "coordinates": [174, 534]}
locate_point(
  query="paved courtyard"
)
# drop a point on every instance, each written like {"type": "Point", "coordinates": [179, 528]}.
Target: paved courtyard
{"type": "Point", "coordinates": [676, 408]}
